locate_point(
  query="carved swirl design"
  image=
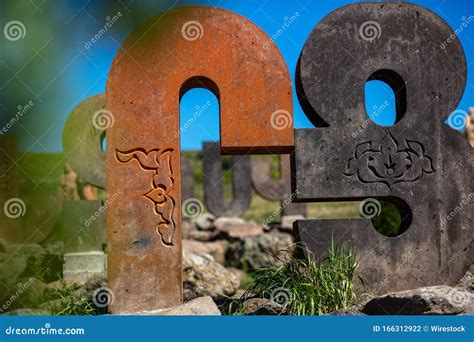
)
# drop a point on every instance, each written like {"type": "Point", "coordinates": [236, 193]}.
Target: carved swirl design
{"type": "Point", "coordinates": [159, 161]}
{"type": "Point", "coordinates": [390, 162]}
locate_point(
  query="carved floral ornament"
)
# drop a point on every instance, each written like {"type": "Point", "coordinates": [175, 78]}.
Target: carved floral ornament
{"type": "Point", "coordinates": [389, 162]}
{"type": "Point", "coordinates": [159, 161]}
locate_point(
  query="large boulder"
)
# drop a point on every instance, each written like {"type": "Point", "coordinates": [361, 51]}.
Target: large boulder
{"type": "Point", "coordinates": [259, 251]}
{"type": "Point", "coordinates": [203, 276]}
{"type": "Point", "coordinates": [432, 300]}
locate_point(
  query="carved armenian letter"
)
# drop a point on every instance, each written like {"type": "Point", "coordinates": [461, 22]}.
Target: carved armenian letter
{"type": "Point", "coordinates": [82, 139]}
{"type": "Point", "coordinates": [276, 190]}
{"type": "Point", "coordinates": [213, 185]}
{"type": "Point", "coordinates": [419, 164]}
{"type": "Point", "coordinates": [156, 65]}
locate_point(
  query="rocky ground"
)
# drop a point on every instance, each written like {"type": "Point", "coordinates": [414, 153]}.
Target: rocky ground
{"type": "Point", "coordinates": [218, 254]}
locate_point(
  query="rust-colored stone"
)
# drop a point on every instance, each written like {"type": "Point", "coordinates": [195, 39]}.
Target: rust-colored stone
{"type": "Point", "coordinates": [184, 48]}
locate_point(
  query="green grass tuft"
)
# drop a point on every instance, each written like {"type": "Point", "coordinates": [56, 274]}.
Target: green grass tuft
{"type": "Point", "coordinates": [71, 303]}
{"type": "Point", "coordinates": [305, 287]}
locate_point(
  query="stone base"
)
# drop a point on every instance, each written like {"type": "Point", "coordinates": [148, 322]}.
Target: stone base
{"type": "Point", "coordinates": [80, 267]}
{"type": "Point", "coordinates": [202, 306]}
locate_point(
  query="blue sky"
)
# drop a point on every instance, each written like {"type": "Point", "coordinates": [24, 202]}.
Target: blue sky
{"type": "Point", "coordinates": [78, 76]}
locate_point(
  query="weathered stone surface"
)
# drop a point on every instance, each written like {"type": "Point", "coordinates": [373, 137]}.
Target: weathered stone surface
{"type": "Point", "coordinates": [433, 300]}
{"type": "Point", "coordinates": [259, 251]}
{"type": "Point", "coordinates": [236, 228]}
{"type": "Point", "coordinates": [261, 307]}
{"type": "Point", "coordinates": [203, 276]}
{"type": "Point", "coordinates": [213, 185]}
{"type": "Point", "coordinates": [349, 157]}
{"type": "Point", "coordinates": [202, 306]}
{"type": "Point", "coordinates": [470, 126]}
{"type": "Point", "coordinates": [82, 136]}
{"type": "Point", "coordinates": [144, 223]}
{"type": "Point", "coordinates": [467, 281]}
{"type": "Point", "coordinates": [216, 249]}
{"type": "Point", "coordinates": [276, 189]}
{"type": "Point", "coordinates": [205, 221]}
{"type": "Point", "coordinates": [80, 267]}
